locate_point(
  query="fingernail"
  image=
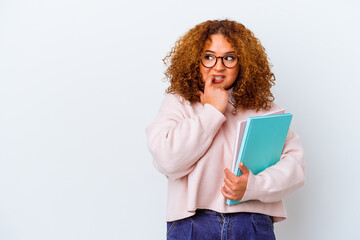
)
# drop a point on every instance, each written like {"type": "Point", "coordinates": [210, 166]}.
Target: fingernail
{"type": "Point", "coordinates": [241, 164]}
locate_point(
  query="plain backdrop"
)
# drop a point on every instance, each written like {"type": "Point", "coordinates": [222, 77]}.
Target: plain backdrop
{"type": "Point", "coordinates": [80, 81]}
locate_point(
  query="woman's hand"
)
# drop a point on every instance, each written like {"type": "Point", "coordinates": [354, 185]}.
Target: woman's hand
{"type": "Point", "coordinates": [218, 97]}
{"type": "Point", "coordinates": [235, 187]}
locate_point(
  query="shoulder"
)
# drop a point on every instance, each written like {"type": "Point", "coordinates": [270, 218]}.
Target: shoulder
{"type": "Point", "coordinates": [175, 100]}
{"type": "Point", "coordinates": [274, 107]}
{"type": "Point", "coordinates": [174, 103]}
{"type": "Point", "coordinates": [173, 97]}
{"type": "Point", "coordinates": [271, 109]}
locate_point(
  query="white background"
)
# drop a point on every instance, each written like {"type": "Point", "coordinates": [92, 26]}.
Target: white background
{"type": "Point", "coordinates": [81, 80]}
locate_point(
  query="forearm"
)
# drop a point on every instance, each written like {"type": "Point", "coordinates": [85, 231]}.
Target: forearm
{"type": "Point", "coordinates": [177, 143]}
{"type": "Point", "coordinates": [281, 179]}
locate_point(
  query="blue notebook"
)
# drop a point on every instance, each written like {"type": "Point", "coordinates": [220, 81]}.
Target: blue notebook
{"type": "Point", "coordinates": [262, 143]}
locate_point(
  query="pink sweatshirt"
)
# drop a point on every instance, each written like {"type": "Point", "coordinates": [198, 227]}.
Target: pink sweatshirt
{"type": "Point", "coordinates": [192, 144]}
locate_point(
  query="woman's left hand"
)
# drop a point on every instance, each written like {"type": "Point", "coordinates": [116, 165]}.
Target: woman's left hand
{"type": "Point", "coordinates": [235, 187]}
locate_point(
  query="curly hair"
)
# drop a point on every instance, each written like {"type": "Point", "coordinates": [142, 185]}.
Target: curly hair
{"type": "Point", "coordinates": [251, 89]}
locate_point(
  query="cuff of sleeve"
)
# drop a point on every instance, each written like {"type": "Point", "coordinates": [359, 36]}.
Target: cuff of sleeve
{"type": "Point", "coordinates": [212, 119]}
{"type": "Point", "coordinates": [253, 188]}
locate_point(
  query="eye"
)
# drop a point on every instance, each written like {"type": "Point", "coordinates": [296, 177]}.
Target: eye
{"type": "Point", "coordinates": [209, 57]}
{"type": "Point", "coordinates": [230, 58]}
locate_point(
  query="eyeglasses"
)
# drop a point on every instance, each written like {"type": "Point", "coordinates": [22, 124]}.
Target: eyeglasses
{"type": "Point", "coordinates": [209, 60]}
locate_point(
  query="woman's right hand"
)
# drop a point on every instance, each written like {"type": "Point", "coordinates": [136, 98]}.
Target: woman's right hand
{"type": "Point", "coordinates": [217, 97]}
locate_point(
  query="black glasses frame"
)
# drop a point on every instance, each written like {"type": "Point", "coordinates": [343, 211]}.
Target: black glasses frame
{"type": "Point", "coordinates": [216, 59]}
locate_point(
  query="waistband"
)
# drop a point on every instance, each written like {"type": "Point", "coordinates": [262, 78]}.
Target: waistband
{"type": "Point", "coordinates": [208, 211]}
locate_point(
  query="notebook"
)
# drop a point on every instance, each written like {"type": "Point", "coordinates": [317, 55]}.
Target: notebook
{"type": "Point", "coordinates": [259, 142]}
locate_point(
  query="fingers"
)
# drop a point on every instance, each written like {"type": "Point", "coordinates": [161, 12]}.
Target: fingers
{"type": "Point", "coordinates": [232, 177]}
{"type": "Point", "coordinates": [215, 96]}
{"type": "Point", "coordinates": [226, 194]}
{"type": "Point", "coordinates": [228, 183]}
{"type": "Point", "coordinates": [208, 81]}
{"type": "Point", "coordinates": [235, 187]}
{"type": "Point", "coordinates": [232, 187]}
{"type": "Point", "coordinates": [243, 168]}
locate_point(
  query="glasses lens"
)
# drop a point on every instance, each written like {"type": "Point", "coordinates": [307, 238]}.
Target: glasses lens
{"type": "Point", "coordinates": [230, 61]}
{"type": "Point", "coordinates": [208, 60]}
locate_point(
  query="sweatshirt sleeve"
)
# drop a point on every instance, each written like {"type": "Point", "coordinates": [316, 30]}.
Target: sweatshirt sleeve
{"type": "Point", "coordinates": [279, 180]}
{"type": "Point", "coordinates": [178, 139]}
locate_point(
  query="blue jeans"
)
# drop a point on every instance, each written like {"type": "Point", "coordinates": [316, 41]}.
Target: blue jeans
{"type": "Point", "coordinates": [211, 225]}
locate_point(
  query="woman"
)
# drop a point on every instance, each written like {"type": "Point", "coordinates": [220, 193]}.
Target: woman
{"type": "Point", "coordinates": [219, 74]}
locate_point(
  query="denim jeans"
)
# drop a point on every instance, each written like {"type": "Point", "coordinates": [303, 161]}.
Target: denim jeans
{"type": "Point", "coordinates": [211, 225]}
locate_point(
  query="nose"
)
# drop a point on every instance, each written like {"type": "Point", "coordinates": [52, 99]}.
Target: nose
{"type": "Point", "coordinates": [219, 65]}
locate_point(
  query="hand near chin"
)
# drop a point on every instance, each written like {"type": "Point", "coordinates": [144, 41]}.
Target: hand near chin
{"type": "Point", "coordinates": [217, 97]}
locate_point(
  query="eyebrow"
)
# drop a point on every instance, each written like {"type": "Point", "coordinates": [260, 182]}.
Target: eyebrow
{"type": "Point", "coordinates": [225, 53]}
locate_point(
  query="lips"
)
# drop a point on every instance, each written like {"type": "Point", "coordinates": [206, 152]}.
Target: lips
{"type": "Point", "coordinates": [218, 78]}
